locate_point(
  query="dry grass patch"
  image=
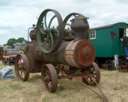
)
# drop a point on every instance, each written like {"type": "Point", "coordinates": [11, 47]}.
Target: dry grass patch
{"type": "Point", "coordinates": [113, 83]}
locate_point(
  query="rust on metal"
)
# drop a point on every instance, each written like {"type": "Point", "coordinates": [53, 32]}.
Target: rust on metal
{"type": "Point", "coordinates": [58, 47]}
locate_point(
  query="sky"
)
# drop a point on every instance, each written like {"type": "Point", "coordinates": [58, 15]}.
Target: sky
{"type": "Point", "coordinates": [16, 16]}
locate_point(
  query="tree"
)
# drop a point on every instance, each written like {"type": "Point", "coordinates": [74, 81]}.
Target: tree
{"type": "Point", "coordinates": [13, 41]}
{"type": "Point", "coordinates": [20, 40]}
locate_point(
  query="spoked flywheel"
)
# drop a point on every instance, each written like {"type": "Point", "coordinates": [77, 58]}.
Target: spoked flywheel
{"type": "Point", "coordinates": [67, 25]}
{"type": "Point", "coordinates": [92, 75]}
{"type": "Point", "coordinates": [22, 67]}
{"type": "Point", "coordinates": [49, 76]}
{"type": "Point", "coordinates": [50, 31]}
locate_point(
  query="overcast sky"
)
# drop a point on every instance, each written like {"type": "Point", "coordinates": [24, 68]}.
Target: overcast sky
{"type": "Point", "coordinates": [16, 16]}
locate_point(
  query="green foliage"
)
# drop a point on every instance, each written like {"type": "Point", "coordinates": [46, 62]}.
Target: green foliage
{"type": "Point", "coordinates": [20, 40]}
{"type": "Point", "coordinates": [12, 41]}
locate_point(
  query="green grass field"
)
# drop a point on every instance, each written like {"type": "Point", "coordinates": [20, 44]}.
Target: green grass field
{"type": "Point", "coordinates": [113, 83]}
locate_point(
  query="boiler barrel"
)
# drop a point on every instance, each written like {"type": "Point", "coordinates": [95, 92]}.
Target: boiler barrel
{"type": "Point", "coordinates": [77, 53]}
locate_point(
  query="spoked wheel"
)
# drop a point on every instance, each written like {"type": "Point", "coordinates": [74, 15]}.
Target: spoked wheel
{"type": "Point", "coordinates": [67, 25]}
{"type": "Point", "coordinates": [49, 76]}
{"type": "Point", "coordinates": [50, 31]}
{"type": "Point", "coordinates": [70, 17]}
{"type": "Point", "coordinates": [92, 75]}
{"type": "Point", "coordinates": [21, 67]}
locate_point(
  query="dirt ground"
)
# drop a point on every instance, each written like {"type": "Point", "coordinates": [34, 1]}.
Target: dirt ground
{"type": "Point", "coordinates": [114, 84]}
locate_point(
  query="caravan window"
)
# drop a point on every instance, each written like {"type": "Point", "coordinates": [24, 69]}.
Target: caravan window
{"type": "Point", "coordinates": [92, 34]}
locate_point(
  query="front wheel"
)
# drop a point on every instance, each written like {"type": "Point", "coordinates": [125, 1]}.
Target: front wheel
{"type": "Point", "coordinates": [92, 75]}
{"type": "Point", "coordinates": [49, 76]}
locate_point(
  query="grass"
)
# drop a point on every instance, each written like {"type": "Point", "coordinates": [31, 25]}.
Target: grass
{"type": "Point", "coordinates": [113, 83]}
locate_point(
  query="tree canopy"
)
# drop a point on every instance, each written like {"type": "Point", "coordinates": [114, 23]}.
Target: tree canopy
{"type": "Point", "coordinates": [12, 41]}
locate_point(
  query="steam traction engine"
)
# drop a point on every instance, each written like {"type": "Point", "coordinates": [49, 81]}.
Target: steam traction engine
{"type": "Point", "coordinates": [58, 47]}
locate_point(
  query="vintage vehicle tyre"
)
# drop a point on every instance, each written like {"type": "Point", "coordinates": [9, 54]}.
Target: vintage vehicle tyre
{"type": "Point", "coordinates": [92, 76]}
{"type": "Point", "coordinates": [22, 67]}
{"type": "Point", "coordinates": [49, 76]}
